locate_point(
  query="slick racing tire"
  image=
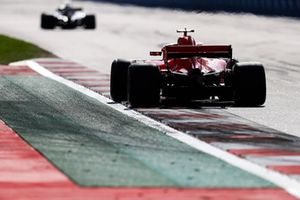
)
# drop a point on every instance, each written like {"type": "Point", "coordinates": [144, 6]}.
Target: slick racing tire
{"type": "Point", "coordinates": [118, 80]}
{"type": "Point", "coordinates": [249, 84]}
{"type": "Point", "coordinates": [48, 21]}
{"type": "Point", "coordinates": [143, 85]}
{"type": "Point", "coordinates": [90, 22]}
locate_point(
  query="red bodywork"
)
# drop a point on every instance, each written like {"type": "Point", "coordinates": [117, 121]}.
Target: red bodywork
{"type": "Point", "coordinates": [186, 55]}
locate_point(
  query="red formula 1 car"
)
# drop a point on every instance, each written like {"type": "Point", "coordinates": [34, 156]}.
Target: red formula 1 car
{"type": "Point", "coordinates": [188, 71]}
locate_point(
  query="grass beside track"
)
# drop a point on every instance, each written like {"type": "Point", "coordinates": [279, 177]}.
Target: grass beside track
{"type": "Point", "coordinates": [12, 50]}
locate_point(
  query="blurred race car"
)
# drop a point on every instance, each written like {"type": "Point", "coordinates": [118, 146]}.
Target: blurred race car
{"type": "Point", "coordinates": [68, 17]}
{"type": "Point", "coordinates": [188, 72]}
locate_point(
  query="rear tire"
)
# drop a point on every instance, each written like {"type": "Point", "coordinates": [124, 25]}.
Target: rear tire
{"type": "Point", "coordinates": [48, 21]}
{"type": "Point", "coordinates": [143, 85]}
{"type": "Point", "coordinates": [118, 80]}
{"type": "Point", "coordinates": [90, 22]}
{"type": "Point", "coordinates": [249, 84]}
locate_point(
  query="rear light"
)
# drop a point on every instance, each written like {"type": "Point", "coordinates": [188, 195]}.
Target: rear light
{"type": "Point", "coordinates": [155, 53]}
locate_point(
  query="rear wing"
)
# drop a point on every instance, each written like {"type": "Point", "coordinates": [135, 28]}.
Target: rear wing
{"type": "Point", "coordinates": [188, 51]}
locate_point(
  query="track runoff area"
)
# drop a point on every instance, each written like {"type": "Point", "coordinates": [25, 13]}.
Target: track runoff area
{"type": "Point", "coordinates": [62, 137]}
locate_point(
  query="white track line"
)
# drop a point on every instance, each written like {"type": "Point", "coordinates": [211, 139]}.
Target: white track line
{"type": "Point", "coordinates": [290, 185]}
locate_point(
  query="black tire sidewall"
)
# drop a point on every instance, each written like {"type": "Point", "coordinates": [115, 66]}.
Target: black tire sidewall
{"type": "Point", "coordinates": [90, 22]}
{"type": "Point", "coordinates": [144, 85]}
{"type": "Point", "coordinates": [249, 84]}
{"type": "Point", "coordinates": [118, 80]}
{"type": "Point", "coordinates": [48, 21]}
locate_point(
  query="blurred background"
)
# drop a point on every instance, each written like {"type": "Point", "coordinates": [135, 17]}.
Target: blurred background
{"type": "Point", "coordinates": [265, 7]}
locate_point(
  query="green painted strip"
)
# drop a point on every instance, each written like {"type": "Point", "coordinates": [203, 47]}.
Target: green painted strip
{"type": "Point", "coordinates": [97, 146]}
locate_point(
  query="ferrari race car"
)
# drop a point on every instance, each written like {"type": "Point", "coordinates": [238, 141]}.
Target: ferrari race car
{"type": "Point", "coordinates": [189, 72]}
{"type": "Point", "coordinates": [68, 17]}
